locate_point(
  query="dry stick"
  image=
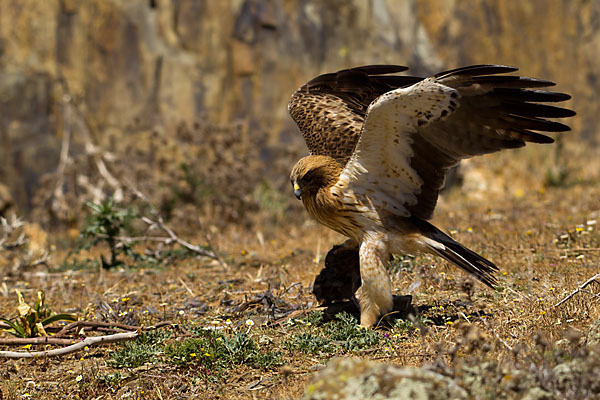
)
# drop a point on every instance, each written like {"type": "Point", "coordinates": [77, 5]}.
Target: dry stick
{"type": "Point", "coordinates": [77, 346]}
{"type": "Point", "coordinates": [579, 289]}
{"type": "Point", "coordinates": [96, 324]}
{"type": "Point", "coordinates": [88, 342]}
{"type": "Point", "coordinates": [186, 287]}
{"type": "Point", "coordinates": [174, 238]}
{"type": "Point", "coordinates": [36, 340]}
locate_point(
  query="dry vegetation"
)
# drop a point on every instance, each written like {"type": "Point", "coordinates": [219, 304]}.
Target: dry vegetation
{"type": "Point", "coordinates": [244, 324]}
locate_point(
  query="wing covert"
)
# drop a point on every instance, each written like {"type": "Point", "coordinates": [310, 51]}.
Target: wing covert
{"type": "Point", "coordinates": [330, 109]}
{"type": "Point", "coordinates": [413, 135]}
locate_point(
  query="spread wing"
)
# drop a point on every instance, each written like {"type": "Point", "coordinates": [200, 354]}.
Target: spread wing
{"type": "Point", "coordinates": [413, 135]}
{"type": "Point", "coordinates": [330, 109]}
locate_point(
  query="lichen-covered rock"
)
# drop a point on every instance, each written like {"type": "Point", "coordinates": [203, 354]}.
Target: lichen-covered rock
{"type": "Point", "coordinates": [579, 374]}
{"type": "Point", "coordinates": [537, 393]}
{"type": "Point", "coordinates": [593, 336]}
{"type": "Point", "coordinates": [353, 378]}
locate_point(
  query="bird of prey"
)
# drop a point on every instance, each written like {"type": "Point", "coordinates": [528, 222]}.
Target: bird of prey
{"type": "Point", "coordinates": [380, 146]}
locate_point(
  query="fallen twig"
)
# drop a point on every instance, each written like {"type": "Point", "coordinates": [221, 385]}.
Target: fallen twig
{"type": "Point", "coordinates": [94, 324]}
{"type": "Point", "coordinates": [174, 238]}
{"type": "Point", "coordinates": [98, 324]}
{"type": "Point", "coordinates": [37, 340]}
{"type": "Point", "coordinates": [77, 344]}
{"type": "Point", "coordinates": [88, 342]}
{"type": "Point", "coordinates": [172, 235]}
{"type": "Point", "coordinates": [579, 289]}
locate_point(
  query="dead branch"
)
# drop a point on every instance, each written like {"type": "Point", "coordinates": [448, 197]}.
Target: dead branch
{"type": "Point", "coordinates": [93, 324]}
{"type": "Point", "coordinates": [37, 340]}
{"type": "Point", "coordinates": [174, 238]}
{"type": "Point", "coordinates": [97, 324]}
{"type": "Point", "coordinates": [88, 342]}
{"type": "Point", "coordinates": [579, 289]}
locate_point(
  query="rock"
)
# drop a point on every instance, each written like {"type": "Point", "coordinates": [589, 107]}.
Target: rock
{"type": "Point", "coordinates": [162, 63]}
{"type": "Point", "coordinates": [353, 378]}
{"type": "Point", "coordinates": [593, 336]}
{"type": "Point", "coordinates": [578, 375]}
{"type": "Point", "coordinates": [537, 393]}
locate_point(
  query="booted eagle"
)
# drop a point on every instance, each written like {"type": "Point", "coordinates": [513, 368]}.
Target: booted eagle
{"type": "Point", "coordinates": [381, 145]}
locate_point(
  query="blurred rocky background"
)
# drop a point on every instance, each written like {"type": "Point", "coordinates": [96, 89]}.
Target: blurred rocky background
{"type": "Point", "coordinates": [184, 101]}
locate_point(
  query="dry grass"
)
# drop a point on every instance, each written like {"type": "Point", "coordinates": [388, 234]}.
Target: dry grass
{"type": "Point", "coordinates": [544, 238]}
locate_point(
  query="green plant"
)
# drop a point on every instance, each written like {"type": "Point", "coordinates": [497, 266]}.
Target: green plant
{"type": "Point", "coordinates": [403, 326]}
{"type": "Point", "coordinates": [105, 224]}
{"type": "Point", "coordinates": [113, 226]}
{"type": "Point", "coordinates": [112, 380]}
{"type": "Point", "coordinates": [310, 343]}
{"type": "Point", "coordinates": [343, 334]}
{"type": "Point", "coordinates": [215, 353]}
{"type": "Point", "coordinates": [140, 351]}
{"type": "Point", "coordinates": [32, 321]}
{"type": "Point", "coordinates": [349, 335]}
{"type": "Point", "coordinates": [206, 350]}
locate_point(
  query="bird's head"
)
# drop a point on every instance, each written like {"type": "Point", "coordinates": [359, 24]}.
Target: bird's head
{"type": "Point", "coordinates": [312, 173]}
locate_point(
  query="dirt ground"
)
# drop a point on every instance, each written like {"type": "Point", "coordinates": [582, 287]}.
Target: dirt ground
{"type": "Point", "coordinates": [536, 217]}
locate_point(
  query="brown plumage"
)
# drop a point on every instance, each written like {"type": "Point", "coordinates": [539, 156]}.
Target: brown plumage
{"type": "Point", "coordinates": [381, 146]}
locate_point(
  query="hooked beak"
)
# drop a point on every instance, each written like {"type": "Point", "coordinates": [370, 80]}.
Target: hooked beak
{"type": "Point", "coordinates": [297, 191]}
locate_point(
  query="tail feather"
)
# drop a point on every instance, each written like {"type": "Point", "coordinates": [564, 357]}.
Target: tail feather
{"type": "Point", "coordinates": [449, 249]}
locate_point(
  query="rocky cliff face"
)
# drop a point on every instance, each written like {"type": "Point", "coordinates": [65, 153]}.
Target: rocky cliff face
{"type": "Point", "coordinates": [141, 65]}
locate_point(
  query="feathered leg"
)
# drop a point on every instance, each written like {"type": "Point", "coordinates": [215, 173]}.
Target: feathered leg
{"type": "Point", "coordinates": [375, 292]}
